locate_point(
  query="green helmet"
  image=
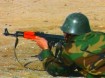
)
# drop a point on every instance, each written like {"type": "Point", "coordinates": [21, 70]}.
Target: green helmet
{"type": "Point", "coordinates": [76, 24]}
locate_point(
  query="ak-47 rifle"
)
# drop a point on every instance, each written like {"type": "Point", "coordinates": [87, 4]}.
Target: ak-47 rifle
{"type": "Point", "coordinates": [51, 38]}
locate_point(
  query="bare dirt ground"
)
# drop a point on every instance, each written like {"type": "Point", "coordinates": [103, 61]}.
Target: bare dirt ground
{"type": "Point", "coordinates": [38, 15]}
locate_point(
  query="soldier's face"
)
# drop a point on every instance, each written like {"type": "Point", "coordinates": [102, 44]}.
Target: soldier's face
{"type": "Point", "coordinates": [67, 36]}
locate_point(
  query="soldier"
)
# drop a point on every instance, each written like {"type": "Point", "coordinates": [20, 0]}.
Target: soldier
{"type": "Point", "coordinates": [83, 48]}
{"type": "Point", "coordinates": [82, 53]}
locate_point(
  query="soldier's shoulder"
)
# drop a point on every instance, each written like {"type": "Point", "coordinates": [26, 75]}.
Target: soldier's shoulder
{"type": "Point", "coordinates": [96, 34]}
{"type": "Point", "coordinates": [90, 35]}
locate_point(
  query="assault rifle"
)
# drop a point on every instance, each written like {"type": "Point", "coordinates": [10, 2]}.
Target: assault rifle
{"type": "Point", "coordinates": [51, 38]}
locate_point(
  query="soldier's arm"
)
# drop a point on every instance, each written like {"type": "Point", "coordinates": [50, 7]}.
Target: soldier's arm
{"type": "Point", "coordinates": [54, 66]}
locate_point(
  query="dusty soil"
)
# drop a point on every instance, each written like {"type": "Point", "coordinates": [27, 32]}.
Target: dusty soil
{"type": "Point", "coordinates": [38, 15]}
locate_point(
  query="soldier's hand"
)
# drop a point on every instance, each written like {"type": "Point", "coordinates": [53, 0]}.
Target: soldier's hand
{"type": "Point", "coordinates": [41, 42]}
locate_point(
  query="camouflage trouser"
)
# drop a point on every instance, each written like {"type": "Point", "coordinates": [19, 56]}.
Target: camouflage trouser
{"type": "Point", "coordinates": [94, 66]}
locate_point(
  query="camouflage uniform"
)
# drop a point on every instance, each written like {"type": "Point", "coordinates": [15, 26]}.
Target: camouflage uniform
{"type": "Point", "coordinates": [86, 51]}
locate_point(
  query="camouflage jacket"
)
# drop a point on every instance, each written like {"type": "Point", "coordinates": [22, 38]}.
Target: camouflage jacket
{"type": "Point", "coordinates": [85, 51]}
